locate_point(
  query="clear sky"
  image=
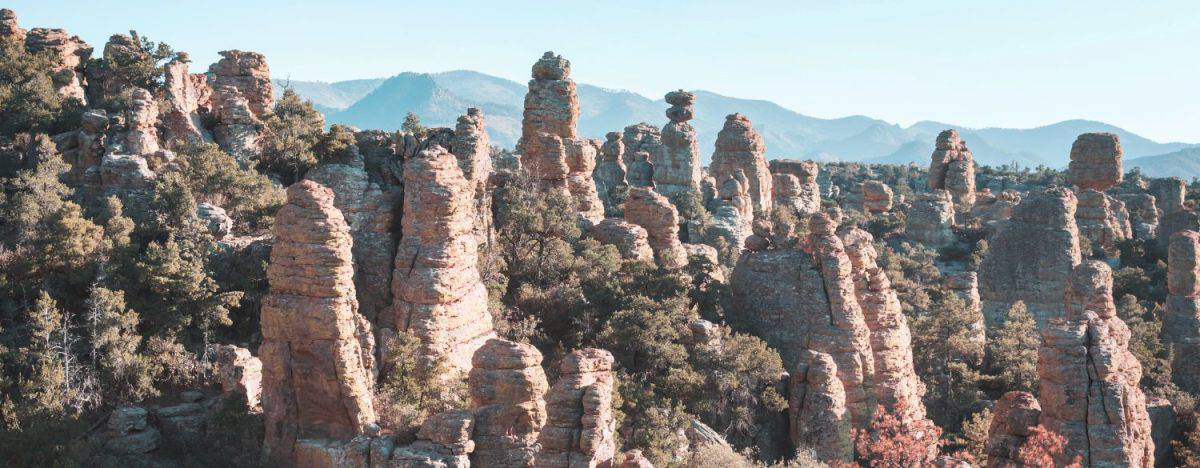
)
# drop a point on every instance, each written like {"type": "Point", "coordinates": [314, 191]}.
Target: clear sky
{"type": "Point", "coordinates": [998, 63]}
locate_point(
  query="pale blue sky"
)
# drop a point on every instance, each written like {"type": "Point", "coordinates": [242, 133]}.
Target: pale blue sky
{"type": "Point", "coordinates": [1001, 63]}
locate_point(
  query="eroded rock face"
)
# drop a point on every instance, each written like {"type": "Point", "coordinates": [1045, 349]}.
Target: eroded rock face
{"type": "Point", "coordinates": [1174, 222]}
{"type": "Point", "coordinates": [444, 441]}
{"type": "Point", "coordinates": [931, 218]}
{"type": "Point", "coordinates": [70, 55]}
{"type": "Point", "coordinates": [1089, 380]}
{"type": "Point", "coordinates": [991, 209]}
{"type": "Point", "coordinates": [896, 383]}
{"type": "Point", "coordinates": [1015, 415]}
{"type": "Point", "coordinates": [677, 166]}
{"type": "Point", "coordinates": [739, 146]}
{"type": "Point", "coordinates": [610, 170]}
{"type": "Point", "coordinates": [877, 197]}
{"type": "Point", "coordinates": [141, 119]}
{"type": "Point", "coordinates": [817, 407]}
{"type": "Point", "coordinates": [580, 430]}
{"type": "Point", "coordinates": [952, 168]}
{"type": "Point", "coordinates": [656, 214]}
{"type": "Point", "coordinates": [470, 145]}
{"type": "Point", "coordinates": [1095, 161]}
{"type": "Point", "coordinates": [1143, 215]}
{"type": "Point", "coordinates": [642, 137]}
{"type": "Point", "coordinates": [1016, 269]}
{"type": "Point", "coordinates": [1181, 324]}
{"type": "Point", "coordinates": [550, 148]}
{"type": "Point", "coordinates": [1168, 194]}
{"type": "Point", "coordinates": [239, 373]}
{"type": "Point", "coordinates": [10, 30]}
{"type": "Point", "coordinates": [237, 128]}
{"type": "Point", "coordinates": [731, 210]}
{"type": "Point", "coordinates": [965, 285]}
{"type": "Point", "coordinates": [630, 239]}
{"type": "Point", "coordinates": [317, 350]}
{"type": "Point", "coordinates": [805, 196]}
{"type": "Point", "coordinates": [248, 73]}
{"type": "Point", "coordinates": [1103, 221]}
{"type": "Point", "coordinates": [185, 95]}
{"type": "Point", "coordinates": [437, 292]}
{"type": "Point", "coordinates": [507, 384]}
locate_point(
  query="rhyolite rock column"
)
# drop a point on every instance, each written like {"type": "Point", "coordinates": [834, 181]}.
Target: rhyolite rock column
{"type": "Point", "coordinates": [952, 168]}
{"type": "Point", "coordinates": [1181, 324]}
{"type": "Point", "coordinates": [739, 146]}
{"type": "Point", "coordinates": [677, 166]}
{"type": "Point", "coordinates": [506, 387]}
{"type": "Point", "coordinates": [931, 218]}
{"type": "Point", "coordinates": [656, 214]}
{"type": "Point", "coordinates": [580, 430]}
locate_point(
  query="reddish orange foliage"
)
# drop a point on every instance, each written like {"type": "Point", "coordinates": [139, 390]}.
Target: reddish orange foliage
{"type": "Point", "coordinates": [1043, 447]}
{"type": "Point", "coordinates": [891, 442]}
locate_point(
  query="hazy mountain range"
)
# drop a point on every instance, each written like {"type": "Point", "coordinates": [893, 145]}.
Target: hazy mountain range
{"type": "Point", "coordinates": [439, 98]}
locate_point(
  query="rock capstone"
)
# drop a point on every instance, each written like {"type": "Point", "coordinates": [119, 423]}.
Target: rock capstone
{"type": "Point", "coordinates": [1095, 161]}
{"type": "Point", "coordinates": [677, 166]}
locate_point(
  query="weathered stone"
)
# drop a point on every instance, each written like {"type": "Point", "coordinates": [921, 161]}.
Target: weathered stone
{"type": "Point", "coordinates": [658, 217]}
{"type": "Point", "coordinates": [731, 210]}
{"type": "Point", "coordinates": [317, 351]}
{"type": "Point", "coordinates": [1089, 379]}
{"type": "Point", "coordinates": [642, 137]}
{"type": "Point", "coordinates": [817, 408]}
{"type": "Point", "coordinates": [507, 384]}
{"type": "Point", "coordinates": [634, 459]}
{"type": "Point", "coordinates": [877, 197]}
{"type": "Point", "coordinates": [1181, 323]}
{"type": "Point", "coordinates": [1018, 269]}
{"type": "Point", "coordinates": [249, 73]}
{"type": "Point", "coordinates": [141, 120]}
{"type": "Point", "coordinates": [610, 171]}
{"type": "Point", "coordinates": [1169, 194]}
{"type": "Point", "coordinates": [630, 239]}
{"type": "Point", "coordinates": [1095, 161]}
{"type": "Point", "coordinates": [182, 425]}
{"type": "Point", "coordinates": [551, 105]}
{"type": "Point", "coordinates": [237, 129]}
{"type": "Point", "coordinates": [739, 146]}
{"type": "Point", "coordinates": [677, 166]}
{"type": "Point", "coordinates": [214, 217]}
{"type": "Point", "coordinates": [10, 30]}
{"type": "Point", "coordinates": [896, 383]}
{"type": "Point", "coordinates": [124, 172]}
{"type": "Point", "coordinates": [990, 210]}
{"type": "Point", "coordinates": [104, 86]}
{"type": "Point", "coordinates": [184, 95]}
{"type": "Point", "coordinates": [1163, 428]}
{"type": "Point", "coordinates": [437, 292]}
{"type": "Point", "coordinates": [1143, 215]}
{"type": "Point", "coordinates": [804, 195]}
{"type": "Point", "coordinates": [444, 441]}
{"type": "Point", "coordinates": [1015, 415]}
{"type": "Point", "coordinates": [1176, 221]}
{"type": "Point", "coordinates": [70, 56]}
{"type": "Point", "coordinates": [580, 430]}
{"type": "Point", "coordinates": [931, 219]}
{"type": "Point", "coordinates": [128, 432]}
{"type": "Point", "coordinates": [965, 285]}
{"type": "Point", "coordinates": [952, 168]}
{"type": "Point", "coordinates": [239, 373]}
{"type": "Point", "coordinates": [1102, 220]}
{"type": "Point", "coordinates": [470, 145]}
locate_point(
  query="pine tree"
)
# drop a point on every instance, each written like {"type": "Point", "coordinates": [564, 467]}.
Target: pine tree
{"type": "Point", "coordinates": [1012, 351]}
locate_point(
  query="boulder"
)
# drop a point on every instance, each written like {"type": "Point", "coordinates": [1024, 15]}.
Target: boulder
{"type": "Point", "coordinates": [1095, 161]}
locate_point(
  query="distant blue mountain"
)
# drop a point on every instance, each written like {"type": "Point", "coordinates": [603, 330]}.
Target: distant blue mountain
{"type": "Point", "coordinates": [439, 98]}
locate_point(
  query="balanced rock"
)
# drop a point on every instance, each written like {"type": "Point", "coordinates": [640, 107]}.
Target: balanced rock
{"type": "Point", "coordinates": [248, 73]}
{"type": "Point", "coordinates": [952, 168]}
{"type": "Point", "coordinates": [580, 430]}
{"type": "Point", "coordinates": [631, 240]}
{"type": "Point", "coordinates": [1089, 380]}
{"type": "Point", "coordinates": [877, 197]}
{"type": "Point", "coordinates": [1015, 416]}
{"type": "Point", "coordinates": [437, 292]}
{"type": "Point", "coordinates": [931, 218]}
{"type": "Point", "coordinates": [1095, 161]}
{"type": "Point", "coordinates": [1016, 269]}
{"type": "Point", "coordinates": [677, 166]}
{"type": "Point", "coordinates": [506, 385]}
{"type": "Point", "coordinates": [739, 146]}
{"type": "Point", "coordinates": [317, 351]}
{"type": "Point", "coordinates": [656, 214]}
{"type": "Point", "coordinates": [1181, 324]}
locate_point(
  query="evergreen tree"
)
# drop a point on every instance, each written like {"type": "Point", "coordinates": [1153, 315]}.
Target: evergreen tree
{"type": "Point", "coordinates": [293, 130]}
{"type": "Point", "coordinates": [1013, 351]}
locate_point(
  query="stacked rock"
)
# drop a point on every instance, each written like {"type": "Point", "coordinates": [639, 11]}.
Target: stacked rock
{"type": "Point", "coordinates": [677, 166]}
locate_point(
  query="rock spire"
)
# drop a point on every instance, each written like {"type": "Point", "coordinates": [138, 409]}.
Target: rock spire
{"type": "Point", "coordinates": [739, 146]}
{"type": "Point", "coordinates": [952, 168]}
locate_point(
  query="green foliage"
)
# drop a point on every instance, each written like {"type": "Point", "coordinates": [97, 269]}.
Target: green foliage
{"type": "Point", "coordinates": [1013, 350]}
{"type": "Point", "coordinates": [292, 132]}
{"type": "Point", "coordinates": [741, 385]}
{"type": "Point", "coordinates": [412, 124]}
{"type": "Point", "coordinates": [947, 363]}
{"type": "Point", "coordinates": [29, 101]}
{"type": "Point", "coordinates": [141, 68]}
{"type": "Point", "coordinates": [215, 177]}
{"type": "Point", "coordinates": [413, 389]}
{"type": "Point", "coordinates": [337, 145]}
{"type": "Point", "coordinates": [1145, 344]}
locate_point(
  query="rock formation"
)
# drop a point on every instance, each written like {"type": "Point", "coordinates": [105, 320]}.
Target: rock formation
{"type": "Point", "coordinates": [1016, 269]}
{"type": "Point", "coordinates": [550, 148]}
{"type": "Point", "coordinates": [1143, 215]}
{"type": "Point", "coordinates": [1089, 380]}
{"type": "Point", "coordinates": [1168, 194]}
{"type": "Point", "coordinates": [1016, 414]}
{"type": "Point", "coordinates": [739, 146]}
{"type": "Point", "coordinates": [470, 145]}
{"type": "Point", "coordinates": [580, 430]}
{"type": "Point", "coordinates": [239, 373]}
{"type": "Point", "coordinates": [1095, 161]}
{"type": "Point", "coordinates": [952, 168]}
{"type": "Point", "coordinates": [803, 195]}
{"type": "Point", "coordinates": [877, 197]}
{"type": "Point", "coordinates": [141, 120]}
{"type": "Point", "coordinates": [249, 74]}
{"type": "Point", "coordinates": [991, 209]}
{"type": "Point", "coordinates": [103, 84]}
{"type": "Point", "coordinates": [237, 128]}
{"type": "Point", "coordinates": [677, 166]}
{"type": "Point", "coordinates": [633, 459]}
{"type": "Point", "coordinates": [1101, 220]}
{"type": "Point", "coordinates": [184, 95]}
{"type": "Point", "coordinates": [731, 210]}
{"type": "Point", "coordinates": [630, 239]}
{"type": "Point", "coordinates": [10, 30]}
{"type": "Point", "coordinates": [1181, 324]}
{"type": "Point", "coordinates": [444, 441]}
{"type": "Point", "coordinates": [610, 171]}
{"type": "Point", "coordinates": [931, 218]}
{"type": "Point", "coordinates": [895, 382]}
{"type": "Point", "coordinates": [437, 292]}
{"type": "Point", "coordinates": [656, 214]}
{"type": "Point", "coordinates": [642, 137]}
{"type": "Point", "coordinates": [965, 285]}
{"type": "Point", "coordinates": [507, 384]}
{"type": "Point", "coordinates": [641, 170]}
{"type": "Point", "coordinates": [817, 409]}
{"type": "Point", "coordinates": [317, 350]}
{"type": "Point", "coordinates": [1176, 221]}
{"type": "Point", "coordinates": [70, 55]}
